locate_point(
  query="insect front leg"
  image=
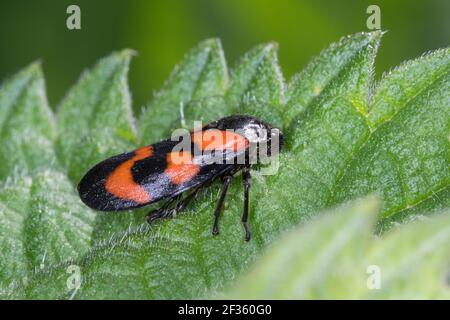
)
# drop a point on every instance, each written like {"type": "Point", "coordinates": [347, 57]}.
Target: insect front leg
{"type": "Point", "coordinates": [226, 180]}
{"type": "Point", "coordinates": [182, 204]}
{"type": "Point", "coordinates": [246, 177]}
{"type": "Point", "coordinates": [163, 212]}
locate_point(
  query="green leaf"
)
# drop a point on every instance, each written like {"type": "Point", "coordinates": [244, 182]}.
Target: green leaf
{"type": "Point", "coordinates": [43, 223]}
{"type": "Point", "coordinates": [401, 86]}
{"type": "Point", "coordinates": [95, 118]}
{"type": "Point", "coordinates": [318, 76]}
{"type": "Point", "coordinates": [95, 121]}
{"type": "Point", "coordinates": [257, 85]}
{"type": "Point", "coordinates": [202, 73]}
{"type": "Point", "coordinates": [434, 204]}
{"type": "Point", "coordinates": [321, 141]}
{"type": "Point", "coordinates": [406, 157]}
{"type": "Point", "coordinates": [341, 138]}
{"type": "Point", "coordinates": [335, 257]}
{"type": "Point", "coordinates": [14, 197]}
{"type": "Point", "coordinates": [58, 226]}
{"type": "Point", "coordinates": [27, 126]}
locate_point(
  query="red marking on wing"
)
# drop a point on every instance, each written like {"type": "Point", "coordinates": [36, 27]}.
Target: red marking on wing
{"type": "Point", "coordinates": [214, 139]}
{"type": "Point", "coordinates": [180, 167]}
{"type": "Point", "coordinates": [121, 183]}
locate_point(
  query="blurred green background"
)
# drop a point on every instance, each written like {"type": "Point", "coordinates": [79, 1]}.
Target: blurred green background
{"type": "Point", "coordinates": [162, 31]}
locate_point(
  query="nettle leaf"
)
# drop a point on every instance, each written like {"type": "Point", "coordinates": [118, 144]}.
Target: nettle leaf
{"type": "Point", "coordinates": [14, 267]}
{"type": "Point", "coordinates": [58, 226]}
{"type": "Point", "coordinates": [407, 156]}
{"type": "Point", "coordinates": [317, 76]}
{"type": "Point", "coordinates": [401, 86]}
{"type": "Point", "coordinates": [43, 223]}
{"type": "Point", "coordinates": [335, 257]}
{"type": "Point", "coordinates": [321, 141]}
{"type": "Point", "coordinates": [27, 126]}
{"type": "Point", "coordinates": [257, 85]}
{"type": "Point", "coordinates": [95, 121]}
{"type": "Point", "coordinates": [202, 73]}
{"type": "Point", "coordinates": [346, 136]}
{"type": "Point", "coordinates": [434, 204]}
{"type": "Point", "coordinates": [95, 118]}
{"type": "Point", "coordinates": [53, 223]}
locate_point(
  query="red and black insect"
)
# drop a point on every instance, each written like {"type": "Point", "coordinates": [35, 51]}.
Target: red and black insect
{"type": "Point", "coordinates": [169, 169]}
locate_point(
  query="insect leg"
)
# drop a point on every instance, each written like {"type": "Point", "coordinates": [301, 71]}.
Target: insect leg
{"type": "Point", "coordinates": [247, 182]}
{"type": "Point", "coordinates": [225, 183]}
{"type": "Point", "coordinates": [182, 204]}
{"type": "Point", "coordinates": [163, 212]}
